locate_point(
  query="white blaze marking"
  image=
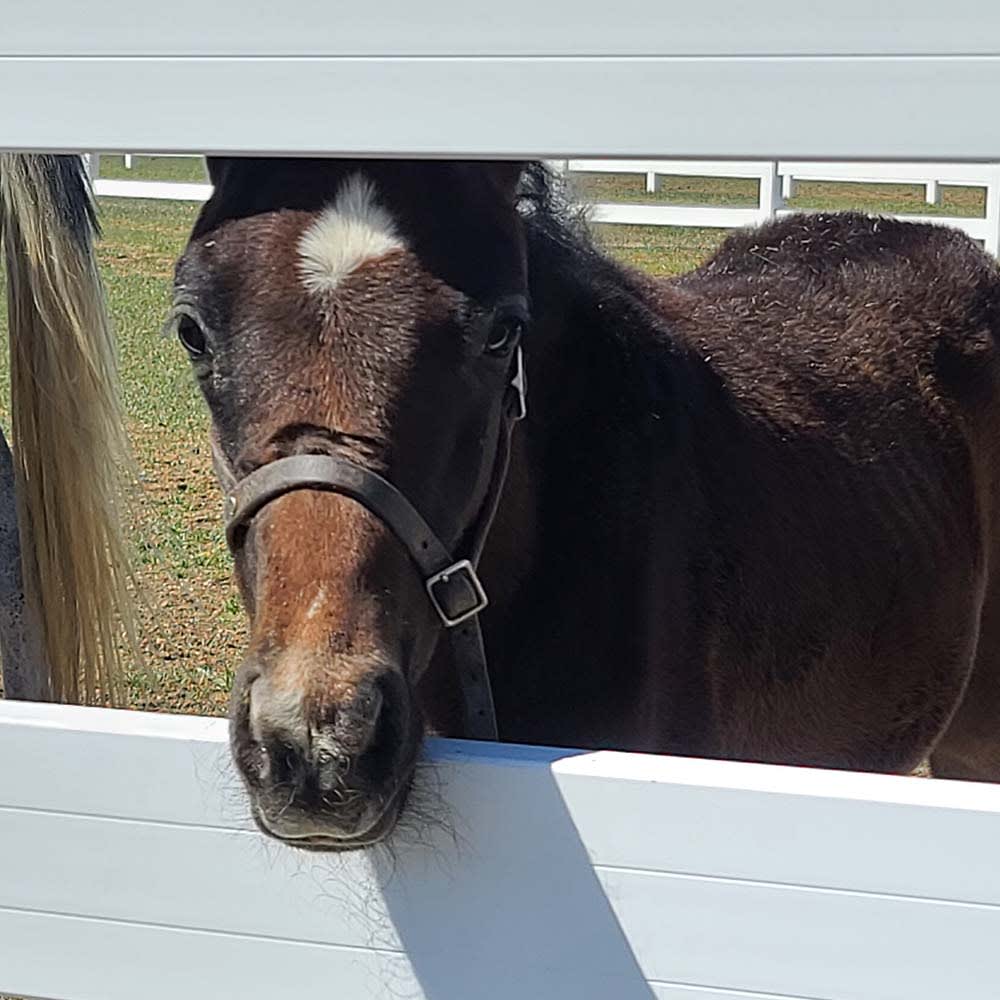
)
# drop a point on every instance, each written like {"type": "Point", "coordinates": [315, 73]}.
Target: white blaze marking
{"type": "Point", "coordinates": [355, 228]}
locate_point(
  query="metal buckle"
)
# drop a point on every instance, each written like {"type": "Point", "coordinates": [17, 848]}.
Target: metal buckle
{"type": "Point", "coordinates": [464, 568]}
{"type": "Point", "coordinates": [519, 383]}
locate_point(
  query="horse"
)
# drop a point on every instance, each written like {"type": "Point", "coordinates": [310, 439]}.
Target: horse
{"type": "Point", "coordinates": [67, 586]}
{"type": "Point", "coordinates": [746, 513]}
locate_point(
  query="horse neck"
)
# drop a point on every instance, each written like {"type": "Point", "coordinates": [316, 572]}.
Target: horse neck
{"type": "Point", "coordinates": [579, 528]}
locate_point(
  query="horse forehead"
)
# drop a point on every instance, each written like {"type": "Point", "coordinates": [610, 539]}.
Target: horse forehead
{"type": "Point", "coordinates": [355, 228]}
{"type": "Point", "coordinates": [295, 250]}
{"type": "Point", "coordinates": [456, 226]}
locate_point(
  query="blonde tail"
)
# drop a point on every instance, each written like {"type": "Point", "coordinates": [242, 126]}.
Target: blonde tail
{"type": "Point", "coordinates": [71, 451]}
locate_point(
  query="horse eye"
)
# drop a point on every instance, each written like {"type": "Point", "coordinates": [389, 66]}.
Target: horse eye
{"type": "Point", "coordinates": [507, 330]}
{"type": "Point", "coordinates": [191, 336]}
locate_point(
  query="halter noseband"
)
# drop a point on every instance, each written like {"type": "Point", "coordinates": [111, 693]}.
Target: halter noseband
{"type": "Point", "coordinates": [452, 585]}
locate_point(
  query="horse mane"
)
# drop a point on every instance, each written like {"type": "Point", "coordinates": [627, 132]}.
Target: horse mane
{"type": "Point", "coordinates": [559, 233]}
{"type": "Point", "coordinates": [633, 315]}
{"type": "Point", "coordinates": [71, 449]}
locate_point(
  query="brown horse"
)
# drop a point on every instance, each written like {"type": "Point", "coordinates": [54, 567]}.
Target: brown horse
{"type": "Point", "coordinates": [749, 513]}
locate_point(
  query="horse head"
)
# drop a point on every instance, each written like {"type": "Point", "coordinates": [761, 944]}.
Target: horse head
{"type": "Point", "coordinates": [354, 328]}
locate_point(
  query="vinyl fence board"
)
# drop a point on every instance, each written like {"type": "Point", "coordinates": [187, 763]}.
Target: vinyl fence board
{"type": "Point", "coordinates": [833, 831]}
{"type": "Point", "coordinates": [163, 768]}
{"type": "Point", "coordinates": [59, 957]}
{"type": "Point", "coordinates": [775, 938]}
{"type": "Point", "coordinates": [539, 872]}
{"type": "Point", "coordinates": [709, 106]}
{"type": "Point", "coordinates": [517, 28]}
{"type": "Point", "coordinates": [801, 940]}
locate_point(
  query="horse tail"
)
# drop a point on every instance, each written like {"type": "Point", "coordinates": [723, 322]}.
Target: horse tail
{"type": "Point", "coordinates": [71, 450]}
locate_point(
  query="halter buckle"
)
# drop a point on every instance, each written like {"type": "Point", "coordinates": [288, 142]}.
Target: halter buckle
{"type": "Point", "coordinates": [461, 572]}
{"type": "Point", "coordinates": [519, 383]}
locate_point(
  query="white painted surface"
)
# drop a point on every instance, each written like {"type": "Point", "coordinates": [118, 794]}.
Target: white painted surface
{"type": "Point", "coordinates": [677, 215]}
{"type": "Point", "coordinates": [772, 191]}
{"type": "Point", "coordinates": [676, 168]}
{"type": "Point", "coordinates": [544, 873]}
{"type": "Point", "coordinates": [709, 106]}
{"type": "Point", "coordinates": [161, 190]}
{"type": "Point", "coordinates": [776, 183]}
{"type": "Point", "coordinates": [519, 27]}
{"type": "Point", "coordinates": [965, 174]}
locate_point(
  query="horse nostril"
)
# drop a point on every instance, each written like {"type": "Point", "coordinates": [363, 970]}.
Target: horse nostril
{"type": "Point", "coordinates": [369, 703]}
{"type": "Point", "coordinates": [332, 768]}
{"type": "Point", "coordinates": [385, 708]}
{"type": "Point", "coordinates": [285, 763]}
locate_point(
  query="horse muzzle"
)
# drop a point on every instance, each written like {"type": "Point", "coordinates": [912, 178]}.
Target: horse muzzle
{"type": "Point", "coordinates": [327, 777]}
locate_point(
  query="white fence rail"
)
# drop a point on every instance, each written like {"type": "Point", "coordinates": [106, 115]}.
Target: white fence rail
{"type": "Point", "coordinates": [776, 183]}
{"type": "Point", "coordinates": [159, 190]}
{"type": "Point", "coordinates": [128, 868]}
{"type": "Point", "coordinates": [769, 192]}
{"type": "Point", "coordinates": [931, 175]}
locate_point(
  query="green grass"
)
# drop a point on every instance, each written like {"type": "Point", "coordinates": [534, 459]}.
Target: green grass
{"type": "Point", "coordinates": [193, 628]}
{"type": "Point", "coordinates": [668, 250]}
{"type": "Point", "coordinates": [735, 192]}
{"type": "Point", "coordinates": [192, 625]}
{"type": "Point", "coordinates": [154, 168]}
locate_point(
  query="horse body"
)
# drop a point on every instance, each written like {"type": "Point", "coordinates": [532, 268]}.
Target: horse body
{"type": "Point", "coordinates": [762, 516]}
{"type": "Point", "coordinates": [750, 513]}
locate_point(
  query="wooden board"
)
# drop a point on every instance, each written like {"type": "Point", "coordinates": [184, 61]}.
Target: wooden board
{"type": "Point", "coordinates": [125, 849]}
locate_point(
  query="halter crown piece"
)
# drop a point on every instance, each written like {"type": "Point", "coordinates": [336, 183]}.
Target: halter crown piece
{"type": "Point", "coordinates": [452, 585]}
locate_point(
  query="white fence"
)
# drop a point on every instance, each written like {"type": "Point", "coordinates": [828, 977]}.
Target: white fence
{"type": "Point", "coordinates": [128, 869]}
{"type": "Point", "coordinates": [768, 203]}
{"type": "Point", "coordinates": [776, 183]}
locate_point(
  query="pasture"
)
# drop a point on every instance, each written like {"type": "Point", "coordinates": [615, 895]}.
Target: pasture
{"type": "Point", "coordinates": [192, 623]}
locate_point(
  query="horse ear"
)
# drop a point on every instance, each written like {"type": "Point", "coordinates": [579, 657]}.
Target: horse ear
{"type": "Point", "coordinates": [504, 175]}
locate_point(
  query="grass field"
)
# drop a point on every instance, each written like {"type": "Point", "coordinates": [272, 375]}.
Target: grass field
{"type": "Point", "coordinates": [192, 626]}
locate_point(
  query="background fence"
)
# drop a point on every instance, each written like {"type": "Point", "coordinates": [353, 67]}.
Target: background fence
{"type": "Point", "coordinates": [776, 181]}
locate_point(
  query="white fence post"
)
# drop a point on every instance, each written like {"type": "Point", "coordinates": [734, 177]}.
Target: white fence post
{"type": "Point", "coordinates": [992, 240]}
{"type": "Point", "coordinates": [771, 198]}
{"type": "Point", "coordinates": [128, 161]}
{"type": "Point", "coordinates": [789, 186]}
{"type": "Point", "coordinates": [652, 182]}
{"type": "Point", "coordinates": [933, 193]}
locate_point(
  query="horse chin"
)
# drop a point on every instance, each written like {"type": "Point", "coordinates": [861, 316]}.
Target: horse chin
{"type": "Point", "coordinates": [325, 833]}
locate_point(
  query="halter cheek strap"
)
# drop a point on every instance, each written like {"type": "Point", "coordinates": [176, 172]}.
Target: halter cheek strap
{"type": "Point", "coordinates": [452, 585]}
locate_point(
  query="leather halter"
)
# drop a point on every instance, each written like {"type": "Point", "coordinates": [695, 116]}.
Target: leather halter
{"type": "Point", "coordinates": [452, 585]}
